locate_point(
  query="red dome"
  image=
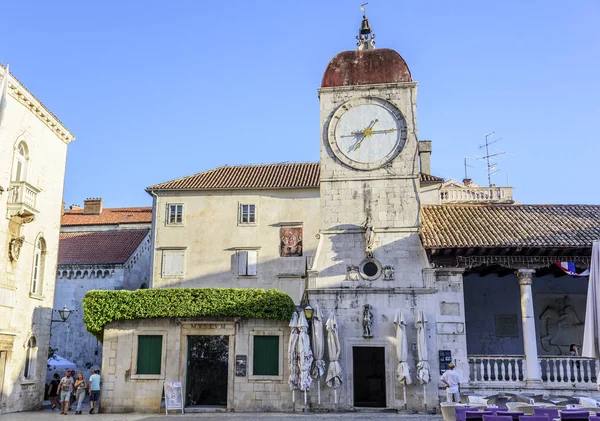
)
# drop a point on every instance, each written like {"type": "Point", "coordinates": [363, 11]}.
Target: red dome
{"type": "Point", "coordinates": [366, 67]}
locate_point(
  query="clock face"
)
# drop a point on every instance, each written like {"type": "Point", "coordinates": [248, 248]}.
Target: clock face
{"type": "Point", "coordinates": [367, 133]}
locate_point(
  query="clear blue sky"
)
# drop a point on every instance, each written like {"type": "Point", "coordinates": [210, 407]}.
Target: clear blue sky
{"type": "Point", "coordinates": [156, 90]}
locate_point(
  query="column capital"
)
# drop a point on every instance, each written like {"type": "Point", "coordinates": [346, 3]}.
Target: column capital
{"type": "Point", "coordinates": [525, 276]}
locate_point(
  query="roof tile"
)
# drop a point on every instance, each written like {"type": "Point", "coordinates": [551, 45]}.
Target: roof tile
{"type": "Point", "coordinates": [109, 216]}
{"type": "Point", "coordinates": [98, 247]}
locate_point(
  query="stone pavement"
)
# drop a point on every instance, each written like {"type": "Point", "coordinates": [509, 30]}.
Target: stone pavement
{"type": "Point", "coordinates": [270, 416]}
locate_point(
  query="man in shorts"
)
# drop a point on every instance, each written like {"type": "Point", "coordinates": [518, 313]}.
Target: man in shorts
{"type": "Point", "coordinates": [65, 388]}
{"type": "Point", "coordinates": [94, 389]}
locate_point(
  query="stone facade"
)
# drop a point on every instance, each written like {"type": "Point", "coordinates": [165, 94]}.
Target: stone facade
{"type": "Point", "coordinates": [33, 151]}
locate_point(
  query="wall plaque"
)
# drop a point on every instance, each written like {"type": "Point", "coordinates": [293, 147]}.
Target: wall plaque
{"type": "Point", "coordinates": [291, 241]}
{"type": "Point", "coordinates": [240, 365]}
{"type": "Point", "coordinates": [507, 325]}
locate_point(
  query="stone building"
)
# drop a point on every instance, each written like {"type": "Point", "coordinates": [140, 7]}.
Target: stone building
{"type": "Point", "coordinates": [364, 234]}
{"type": "Point", "coordinates": [33, 152]}
{"type": "Point", "coordinates": [100, 248]}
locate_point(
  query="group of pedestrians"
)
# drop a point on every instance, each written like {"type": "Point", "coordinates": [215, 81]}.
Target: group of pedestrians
{"type": "Point", "coordinates": [73, 389]}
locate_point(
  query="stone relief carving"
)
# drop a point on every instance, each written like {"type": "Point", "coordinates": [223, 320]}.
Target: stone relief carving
{"type": "Point", "coordinates": [367, 321]}
{"type": "Point", "coordinates": [388, 273]}
{"type": "Point", "coordinates": [369, 236]}
{"type": "Point", "coordinates": [14, 248]}
{"type": "Point", "coordinates": [560, 326]}
{"type": "Point", "coordinates": [352, 273]}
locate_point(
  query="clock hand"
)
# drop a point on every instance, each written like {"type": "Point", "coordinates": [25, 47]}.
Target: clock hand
{"type": "Point", "coordinates": [366, 130]}
{"type": "Point", "coordinates": [384, 131]}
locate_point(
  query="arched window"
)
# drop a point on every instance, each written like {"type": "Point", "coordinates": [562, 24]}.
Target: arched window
{"type": "Point", "coordinates": [30, 358]}
{"type": "Point", "coordinates": [37, 274]}
{"type": "Point", "coordinates": [20, 162]}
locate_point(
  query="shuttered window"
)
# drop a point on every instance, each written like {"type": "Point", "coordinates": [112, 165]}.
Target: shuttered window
{"type": "Point", "coordinates": [247, 260]}
{"type": "Point", "coordinates": [172, 263]}
{"type": "Point", "coordinates": [266, 356]}
{"type": "Point", "coordinates": [149, 354]}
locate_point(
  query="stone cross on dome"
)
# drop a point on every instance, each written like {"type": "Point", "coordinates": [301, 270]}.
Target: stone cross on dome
{"type": "Point", "coordinates": [365, 37]}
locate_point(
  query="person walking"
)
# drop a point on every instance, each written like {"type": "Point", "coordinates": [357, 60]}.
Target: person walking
{"type": "Point", "coordinates": [66, 388]}
{"type": "Point", "coordinates": [80, 389]}
{"type": "Point", "coordinates": [451, 379]}
{"type": "Point", "coordinates": [53, 390]}
{"type": "Point", "coordinates": [94, 390]}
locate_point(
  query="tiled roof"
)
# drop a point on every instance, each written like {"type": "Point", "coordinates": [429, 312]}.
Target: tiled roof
{"type": "Point", "coordinates": [548, 226]}
{"type": "Point", "coordinates": [428, 178]}
{"type": "Point", "coordinates": [264, 176]}
{"type": "Point", "coordinates": [98, 247]}
{"type": "Point", "coordinates": [109, 216]}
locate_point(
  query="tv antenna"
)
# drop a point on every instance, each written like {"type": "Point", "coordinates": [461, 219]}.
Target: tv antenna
{"type": "Point", "coordinates": [492, 166]}
{"type": "Point", "coordinates": [467, 166]}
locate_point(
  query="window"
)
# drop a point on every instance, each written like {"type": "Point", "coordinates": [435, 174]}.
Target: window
{"type": "Point", "coordinates": [20, 162]}
{"type": "Point", "coordinates": [30, 359]}
{"type": "Point", "coordinates": [247, 214]}
{"type": "Point", "coordinates": [266, 356]}
{"type": "Point", "coordinates": [175, 214]}
{"type": "Point", "coordinates": [172, 263]}
{"type": "Point", "coordinates": [37, 274]}
{"type": "Point", "coordinates": [149, 354]}
{"type": "Point", "coordinates": [247, 260]}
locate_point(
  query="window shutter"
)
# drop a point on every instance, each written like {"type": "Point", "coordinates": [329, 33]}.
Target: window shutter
{"type": "Point", "coordinates": [242, 262]}
{"type": "Point", "coordinates": [266, 356]}
{"type": "Point", "coordinates": [252, 262]}
{"type": "Point", "coordinates": [149, 357]}
{"type": "Point", "coordinates": [173, 262]}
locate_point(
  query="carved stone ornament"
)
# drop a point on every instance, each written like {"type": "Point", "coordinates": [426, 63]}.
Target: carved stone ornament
{"type": "Point", "coordinates": [369, 236]}
{"type": "Point", "coordinates": [352, 273]}
{"type": "Point", "coordinates": [388, 273]}
{"type": "Point", "coordinates": [367, 321]}
{"type": "Point", "coordinates": [14, 248]}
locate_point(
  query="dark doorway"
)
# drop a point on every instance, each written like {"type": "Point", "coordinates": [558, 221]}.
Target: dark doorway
{"type": "Point", "coordinates": [369, 376]}
{"type": "Point", "coordinates": [207, 370]}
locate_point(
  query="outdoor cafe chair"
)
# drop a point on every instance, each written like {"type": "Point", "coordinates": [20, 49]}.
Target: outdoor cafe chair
{"type": "Point", "coordinates": [460, 412]}
{"type": "Point", "coordinates": [476, 415]}
{"type": "Point", "coordinates": [551, 413]}
{"type": "Point", "coordinates": [595, 417]}
{"type": "Point", "coordinates": [513, 414]}
{"type": "Point", "coordinates": [534, 418]}
{"type": "Point", "coordinates": [574, 415]}
{"type": "Point", "coordinates": [497, 418]}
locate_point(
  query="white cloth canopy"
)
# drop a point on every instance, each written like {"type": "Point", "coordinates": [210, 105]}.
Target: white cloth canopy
{"type": "Point", "coordinates": [334, 371]}
{"type": "Point", "coordinates": [591, 333]}
{"type": "Point", "coordinates": [403, 372]}
{"type": "Point", "coordinates": [318, 344]}
{"type": "Point", "coordinates": [423, 374]}
{"type": "Point", "coordinates": [58, 363]}
{"type": "Point", "coordinates": [305, 355]}
{"type": "Point", "coordinates": [293, 353]}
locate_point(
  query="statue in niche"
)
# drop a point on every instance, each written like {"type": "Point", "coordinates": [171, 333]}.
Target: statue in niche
{"type": "Point", "coordinates": [352, 273]}
{"type": "Point", "coordinates": [560, 326]}
{"type": "Point", "coordinates": [367, 321]}
{"type": "Point", "coordinates": [369, 236]}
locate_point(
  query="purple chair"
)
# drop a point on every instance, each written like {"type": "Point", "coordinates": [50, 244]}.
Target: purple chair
{"type": "Point", "coordinates": [595, 417]}
{"type": "Point", "coordinates": [497, 418]}
{"type": "Point", "coordinates": [476, 415]}
{"type": "Point", "coordinates": [574, 415]}
{"type": "Point", "coordinates": [535, 418]}
{"type": "Point", "coordinates": [551, 413]}
{"type": "Point", "coordinates": [460, 412]}
{"type": "Point", "coordinates": [513, 414]}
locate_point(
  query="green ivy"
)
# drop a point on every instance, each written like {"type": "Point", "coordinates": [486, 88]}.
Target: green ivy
{"type": "Point", "coordinates": [101, 307]}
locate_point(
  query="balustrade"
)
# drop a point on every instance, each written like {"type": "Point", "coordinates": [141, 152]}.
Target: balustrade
{"type": "Point", "coordinates": [500, 368]}
{"type": "Point", "coordinates": [576, 370]}
{"type": "Point", "coordinates": [476, 195]}
{"type": "Point", "coordinates": [22, 194]}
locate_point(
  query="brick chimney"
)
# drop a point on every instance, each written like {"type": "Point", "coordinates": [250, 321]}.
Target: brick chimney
{"type": "Point", "coordinates": [467, 181]}
{"type": "Point", "coordinates": [425, 156]}
{"type": "Point", "coordinates": [92, 206]}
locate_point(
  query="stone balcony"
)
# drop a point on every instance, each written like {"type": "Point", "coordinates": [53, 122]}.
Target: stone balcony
{"type": "Point", "coordinates": [476, 194]}
{"type": "Point", "coordinates": [22, 200]}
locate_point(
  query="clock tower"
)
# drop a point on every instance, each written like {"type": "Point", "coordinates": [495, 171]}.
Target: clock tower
{"type": "Point", "coordinates": [369, 172]}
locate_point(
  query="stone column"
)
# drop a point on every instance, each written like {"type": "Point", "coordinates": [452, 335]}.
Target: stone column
{"type": "Point", "coordinates": [532, 374]}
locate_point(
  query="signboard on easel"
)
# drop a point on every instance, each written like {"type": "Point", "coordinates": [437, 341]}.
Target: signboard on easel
{"type": "Point", "coordinates": [173, 393]}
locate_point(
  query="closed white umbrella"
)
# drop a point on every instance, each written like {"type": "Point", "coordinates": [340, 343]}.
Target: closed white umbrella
{"type": "Point", "coordinates": [591, 332]}
{"type": "Point", "coordinates": [423, 374]}
{"type": "Point", "coordinates": [293, 357]}
{"type": "Point", "coordinates": [403, 372]}
{"type": "Point", "coordinates": [305, 356]}
{"type": "Point", "coordinates": [334, 371]}
{"type": "Point", "coordinates": [318, 346]}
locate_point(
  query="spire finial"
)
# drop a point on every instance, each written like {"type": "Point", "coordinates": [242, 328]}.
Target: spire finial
{"type": "Point", "coordinates": [366, 37]}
